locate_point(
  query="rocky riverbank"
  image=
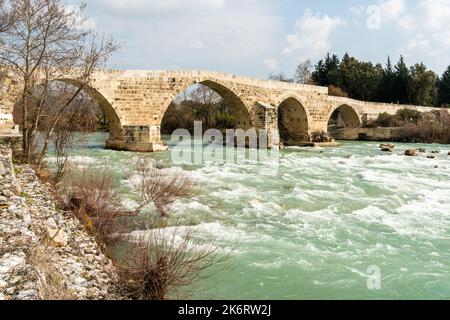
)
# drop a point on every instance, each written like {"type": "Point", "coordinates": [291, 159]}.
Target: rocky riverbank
{"type": "Point", "coordinates": [45, 253]}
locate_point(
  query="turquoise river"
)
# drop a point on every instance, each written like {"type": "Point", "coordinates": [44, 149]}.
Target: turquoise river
{"type": "Point", "coordinates": [318, 223]}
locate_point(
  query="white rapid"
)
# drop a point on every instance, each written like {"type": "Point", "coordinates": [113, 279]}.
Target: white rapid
{"type": "Point", "coordinates": [313, 228]}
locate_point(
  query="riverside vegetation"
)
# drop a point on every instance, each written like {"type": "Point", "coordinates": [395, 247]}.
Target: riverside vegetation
{"type": "Point", "coordinates": [39, 39]}
{"type": "Point", "coordinates": [417, 127]}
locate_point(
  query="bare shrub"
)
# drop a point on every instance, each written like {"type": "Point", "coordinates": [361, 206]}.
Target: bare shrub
{"type": "Point", "coordinates": [402, 118]}
{"type": "Point", "coordinates": [164, 261]}
{"type": "Point", "coordinates": [426, 131]}
{"type": "Point", "coordinates": [92, 196]}
{"type": "Point", "coordinates": [386, 120]}
{"type": "Point", "coordinates": [157, 262]}
{"type": "Point", "coordinates": [409, 116]}
{"type": "Point", "coordinates": [161, 187]}
{"type": "Point", "coordinates": [51, 283]}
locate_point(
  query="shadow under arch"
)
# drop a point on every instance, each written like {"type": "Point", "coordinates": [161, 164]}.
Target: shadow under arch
{"type": "Point", "coordinates": [231, 99]}
{"type": "Point", "coordinates": [114, 123]}
{"type": "Point", "coordinates": [343, 117]}
{"type": "Point", "coordinates": [293, 122]}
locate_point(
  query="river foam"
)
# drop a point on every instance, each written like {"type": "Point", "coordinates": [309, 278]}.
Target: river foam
{"type": "Point", "coordinates": [313, 226]}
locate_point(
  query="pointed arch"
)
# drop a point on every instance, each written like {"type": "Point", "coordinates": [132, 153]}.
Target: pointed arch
{"type": "Point", "coordinates": [238, 108]}
{"type": "Point", "coordinates": [343, 116]}
{"type": "Point", "coordinates": [115, 125]}
{"type": "Point", "coordinates": [293, 121]}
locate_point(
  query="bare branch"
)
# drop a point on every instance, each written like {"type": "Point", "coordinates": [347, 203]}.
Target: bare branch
{"type": "Point", "coordinates": [161, 187]}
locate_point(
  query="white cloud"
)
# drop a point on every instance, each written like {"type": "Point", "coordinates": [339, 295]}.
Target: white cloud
{"type": "Point", "coordinates": [272, 64]}
{"type": "Point", "coordinates": [426, 26]}
{"type": "Point", "coordinates": [425, 16]}
{"type": "Point", "coordinates": [158, 6]}
{"type": "Point", "coordinates": [392, 9]}
{"type": "Point", "coordinates": [221, 35]}
{"type": "Point", "coordinates": [357, 10]}
{"type": "Point", "coordinates": [312, 37]}
{"type": "Point", "coordinates": [435, 45]}
{"type": "Point", "coordinates": [381, 13]}
{"type": "Point", "coordinates": [418, 30]}
{"type": "Point", "coordinates": [433, 15]}
{"type": "Point", "coordinates": [197, 44]}
{"type": "Point", "coordinates": [407, 22]}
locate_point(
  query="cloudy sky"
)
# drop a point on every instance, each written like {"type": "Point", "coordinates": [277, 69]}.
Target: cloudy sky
{"type": "Point", "coordinates": [257, 37]}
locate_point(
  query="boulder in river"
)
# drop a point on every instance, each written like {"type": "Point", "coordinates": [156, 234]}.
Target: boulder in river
{"type": "Point", "coordinates": [387, 146]}
{"type": "Point", "coordinates": [422, 150]}
{"type": "Point", "coordinates": [411, 153]}
{"type": "Point", "coordinates": [386, 149]}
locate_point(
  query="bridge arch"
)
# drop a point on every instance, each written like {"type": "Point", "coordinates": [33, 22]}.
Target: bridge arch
{"type": "Point", "coordinates": [241, 117]}
{"type": "Point", "coordinates": [114, 123]}
{"type": "Point", "coordinates": [238, 108]}
{"type": "Point", "coordinates": [293, 120]}
{"type": "Point", "coordinates": [343, 117]}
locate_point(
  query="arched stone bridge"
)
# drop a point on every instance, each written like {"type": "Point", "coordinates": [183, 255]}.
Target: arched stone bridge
{"type": "Point", "coordinates": [135, 103]}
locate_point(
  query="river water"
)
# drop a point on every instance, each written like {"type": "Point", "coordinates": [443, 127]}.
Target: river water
{"type": "Point", "coordinates": [323, 224]}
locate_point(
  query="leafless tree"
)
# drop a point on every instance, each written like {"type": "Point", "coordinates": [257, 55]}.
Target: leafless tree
{"type": "Point", "coordinates": [5, 17]}
{"type": "Point", "coordinates": [161, 187]}
{"type": "Point", "coordinates": [303, 73]}
{"type": "Point", "coordinates": [46, 41]}
{"type": "Point", "coordinates": [205, 104]}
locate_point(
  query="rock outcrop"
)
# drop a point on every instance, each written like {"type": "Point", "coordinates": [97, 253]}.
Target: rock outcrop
{"type": "Point", "coordinates": [45, 253]}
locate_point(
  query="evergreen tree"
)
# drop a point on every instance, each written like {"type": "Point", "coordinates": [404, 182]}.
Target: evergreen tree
{"type": "Point", "coordinates": [386, 87]}
{"type": "Point", "coordinates": [333, 74]}
{"type": "Point", "coordinates": [320, 76]}
{"type": "Point", "coordinates": [444, 89]}
{"type": "Point", "coordinates": [360, 79]}
{"type": "Point", "coordinates": [402, 79]}
{"type": "Point", "coordinates": [422, 86]}
{"type": "Point", "coordinates": [327, 71]}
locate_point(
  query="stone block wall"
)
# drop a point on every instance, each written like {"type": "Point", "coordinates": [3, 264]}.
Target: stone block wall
{"type": "Point", "coordinates": [135, 102]}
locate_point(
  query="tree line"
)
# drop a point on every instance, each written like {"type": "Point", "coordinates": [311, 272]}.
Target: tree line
{"type": "Point", "coordinates": [362, 80]}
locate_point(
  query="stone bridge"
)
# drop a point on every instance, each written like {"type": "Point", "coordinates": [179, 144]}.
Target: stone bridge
{"type": "Point", "coordinates": [135, 103]}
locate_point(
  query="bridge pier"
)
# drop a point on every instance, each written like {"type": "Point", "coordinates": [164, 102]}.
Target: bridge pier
{"type": "Point", "coordinates": [267, 119]}
{"type": "Point", "coordinates": [137, 139]}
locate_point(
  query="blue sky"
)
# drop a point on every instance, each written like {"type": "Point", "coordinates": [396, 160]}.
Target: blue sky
{"type": "Point", "coordinates": [258, 37]}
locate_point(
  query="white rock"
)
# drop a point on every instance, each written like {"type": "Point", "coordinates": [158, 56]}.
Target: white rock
{"type": "Point", "coordinates": [58, 237]}
{"type": "Point", "coordinates": [27, 295]}
{"type": "Point", "coordinates": [9, 262]}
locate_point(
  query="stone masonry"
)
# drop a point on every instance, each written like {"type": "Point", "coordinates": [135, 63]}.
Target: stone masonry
{"type": "Point", "coordinates": [135, 103]}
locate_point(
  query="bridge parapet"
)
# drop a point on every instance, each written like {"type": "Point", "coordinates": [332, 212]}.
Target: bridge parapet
{"type": "Point", "coordinates": [199, 74]}
{"type": "Point", "coordinates": [392, 107]}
